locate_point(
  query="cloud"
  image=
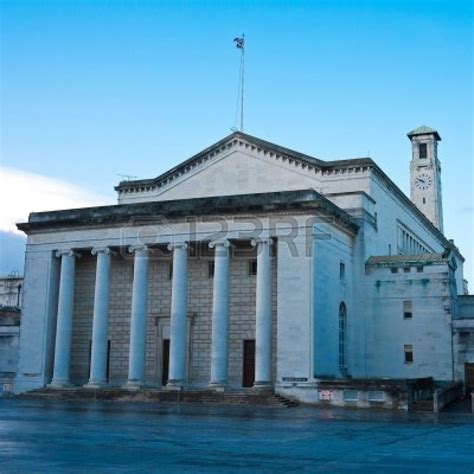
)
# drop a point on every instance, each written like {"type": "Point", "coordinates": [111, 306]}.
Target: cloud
{"type": "Point", "coordinates": [12, 253]}
{"type": "Point", "coordinates": [22, 192]}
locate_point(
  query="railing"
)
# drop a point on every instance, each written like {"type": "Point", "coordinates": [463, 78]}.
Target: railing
{"type": "Point", "coordinates": [419, 390]}
{"type": "Point", "coordinates": [446, 395]}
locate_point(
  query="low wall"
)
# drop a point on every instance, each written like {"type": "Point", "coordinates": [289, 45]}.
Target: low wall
{"type": "Point", "coordinates": [9, 347]}
{"type": "Point", "coordinates": [373, 393]}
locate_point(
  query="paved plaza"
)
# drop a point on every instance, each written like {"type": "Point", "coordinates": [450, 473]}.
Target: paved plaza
{"type": "Point", "coordinates": [58, 436]}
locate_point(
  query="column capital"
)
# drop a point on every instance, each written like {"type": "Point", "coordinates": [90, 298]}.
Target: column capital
{"type": "Point", "coordinates": [261, 240]}
{"type": "Point", "coordinates": [139, 248]}
{"type": "Point", "coordinates": [67, 252]}
{"type": "Point", "coordinates": [105, 250]}
{"type": "Point", "coordinates": [220, 243]}
{"type": "Point", "coordinates": [178, 245]}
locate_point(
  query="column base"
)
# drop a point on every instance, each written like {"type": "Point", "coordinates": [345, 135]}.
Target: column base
{"type": "Point", "coordinates": [94, 385]}
{"type": "Point", "coordinates": [176, 385]}
{"type": "Point", "coordinates": [218, 386]}
{"type": "Point", "coordinates": [134, 385]}
{"type": "Point", "coordinates": [262, 386]}
{"type": "Point", "coordinates": [58, 384]}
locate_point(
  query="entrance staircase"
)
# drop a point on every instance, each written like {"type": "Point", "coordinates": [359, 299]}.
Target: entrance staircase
{"type": "Point", "coordinates": [444, 395]}
{"type": "Point", "coordinates": [422, 405]}
{"type": "Point", "coordinates": [229, 397]}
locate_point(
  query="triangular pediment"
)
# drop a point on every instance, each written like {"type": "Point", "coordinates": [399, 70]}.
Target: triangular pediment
{"type": "Point", "coordinates": [237, 164]}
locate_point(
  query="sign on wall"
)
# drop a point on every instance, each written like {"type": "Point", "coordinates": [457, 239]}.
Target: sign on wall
{"type": "Point", "coordinates": [325, 395]}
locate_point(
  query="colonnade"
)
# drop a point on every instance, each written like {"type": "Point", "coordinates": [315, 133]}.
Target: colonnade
{"type": "Point", "coordinates": [178, 316]}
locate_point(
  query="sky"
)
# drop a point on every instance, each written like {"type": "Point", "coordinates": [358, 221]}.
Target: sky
{"type": "Point", "coordinates": [91, 90]}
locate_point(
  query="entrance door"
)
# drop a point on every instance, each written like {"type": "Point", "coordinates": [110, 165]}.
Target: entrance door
{"type": "Point", "coordinates": [165, 357]}
{"type": "Point", "coordinates": [469, 377]}
{"type": "Point", "coordinates": [249, 363]}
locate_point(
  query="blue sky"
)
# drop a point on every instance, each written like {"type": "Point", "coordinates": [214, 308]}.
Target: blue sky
{"type": "Point", "coordinates": [93, 89]}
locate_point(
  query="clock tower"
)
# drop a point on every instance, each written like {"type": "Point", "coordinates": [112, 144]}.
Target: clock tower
{"type": "Point", "coordinates": [425, 174]}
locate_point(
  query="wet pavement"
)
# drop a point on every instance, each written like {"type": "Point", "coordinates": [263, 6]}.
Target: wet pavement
{"type": "Point", "coordinates": [57, 436]}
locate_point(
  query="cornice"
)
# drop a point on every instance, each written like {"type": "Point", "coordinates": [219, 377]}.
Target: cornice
{"type": "Point", "coordinates": [134, 214]}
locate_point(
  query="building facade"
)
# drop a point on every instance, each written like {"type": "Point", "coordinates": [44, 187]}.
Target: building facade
{"type": "Point", "coordinates": [11, 291]}
{"type": "Point", "coordinates": [247, 265]}
{"type": "Point", "coordinates": [10, 314]}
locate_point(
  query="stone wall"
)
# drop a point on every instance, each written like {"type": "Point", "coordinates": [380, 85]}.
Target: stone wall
{"type": "Point", "coordinates": [463, 335]}
{"type": "Point", "coordinates": [9, 347]}
{"type": "Point", "coordinates": [430, 292]}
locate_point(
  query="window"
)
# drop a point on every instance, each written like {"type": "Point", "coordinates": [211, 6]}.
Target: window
{"type": "Point", "coordinates": [342, 271]}
{"type": "Point", "coordinates": [351, 395]}
{"type": "Point", "coordinates": [394, 270]}
{"type": "Point", "coordinates": [210, 270]}
{"type": "Point", "coordinates": [376, 396]}
{"type": "Point", "coordinates": [342, 338]}
{"type": "Point", "coordinates": [408, 350]}
{"type": "Point", "coordinates": [424, 200]}
{"type": "Point", "coordinates": [406, 270]}
{"type": "Point", "coordinates": [407, 311]}
{"type": "Point", "coordinates": [419, 269]}
{"type": "Point", "coordinates": [18, 298]}
{"type": "Point", "coordinates": [423, 150]}
{"type": "Point", "coordinates": [252, 267]}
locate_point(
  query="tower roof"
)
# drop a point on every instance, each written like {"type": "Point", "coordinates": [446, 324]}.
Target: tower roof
{"type": "Point", "coordinates": [424, 130]}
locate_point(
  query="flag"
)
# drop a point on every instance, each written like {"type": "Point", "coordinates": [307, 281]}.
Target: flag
{"type": "Point", "coordinates": [239, 42]}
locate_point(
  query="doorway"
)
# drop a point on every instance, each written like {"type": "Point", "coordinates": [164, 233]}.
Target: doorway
{"type": "Point", "coordinates": [165, 357]}
{"type": "Point", "coordinates": [249, 363]}
{"type": "Point", "coordinates": [469, 377]}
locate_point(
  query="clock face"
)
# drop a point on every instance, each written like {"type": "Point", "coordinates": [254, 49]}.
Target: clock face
{"type": "Point", "coordinates": [423, 181]}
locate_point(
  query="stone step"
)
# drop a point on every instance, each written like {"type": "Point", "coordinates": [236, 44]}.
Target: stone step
{"type": "Point", "coordinates": [231, 397]}
{"type": "Point", "coordinates": [422, 405]}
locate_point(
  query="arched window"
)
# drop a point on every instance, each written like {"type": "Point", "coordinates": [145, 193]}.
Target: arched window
{"type": "Point", "coordinates": [342, 338]}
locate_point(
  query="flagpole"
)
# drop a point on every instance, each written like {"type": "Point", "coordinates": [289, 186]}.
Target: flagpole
{"type": "Point", "coordinates": [242, 85]}
{"type": "Point", "coordinates": [240, 44]}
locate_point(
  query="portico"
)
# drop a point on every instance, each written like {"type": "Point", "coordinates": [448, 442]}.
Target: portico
{"type": "Point", "coordinates": [148, 264]}
{"type": "Point", "coordinates": [178, 304]}
{"type": "Point", "coordinates": [174, 302]}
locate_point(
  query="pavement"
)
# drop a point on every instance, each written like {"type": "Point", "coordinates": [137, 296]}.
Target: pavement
{"type": "Point", "coordinates": [63, 436]}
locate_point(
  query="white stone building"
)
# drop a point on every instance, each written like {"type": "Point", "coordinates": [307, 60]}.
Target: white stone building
{"type": "Point", "coordinates": [11, 291]}
{"type": "Point", "coordinates": [247, 264]}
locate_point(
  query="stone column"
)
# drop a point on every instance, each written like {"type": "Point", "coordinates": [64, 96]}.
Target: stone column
{"type": "Point", "coordinates": [138, 323]}
{"type": "Point", "coordinates": [178, 323]}
{"type": "Point", "coordinates": [62, 351]}
{"type": "Point", "coordinates": [263, 319]}
{"type": "Point", "coordinates": [220, 315]}
{"type": "Point", "coordinates": [100, 325]}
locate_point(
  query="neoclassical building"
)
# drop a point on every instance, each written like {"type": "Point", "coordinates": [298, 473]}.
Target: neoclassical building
{"type": "Point", "coordinates": [247, 265]}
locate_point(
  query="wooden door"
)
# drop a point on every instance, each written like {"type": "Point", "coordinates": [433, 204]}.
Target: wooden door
{"type": "Point", "coordinates": [469, 377]}
{"type": "Point", "coordinates": [165, 357]}
{"type": "Point", "coordinates": [249, 363]}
